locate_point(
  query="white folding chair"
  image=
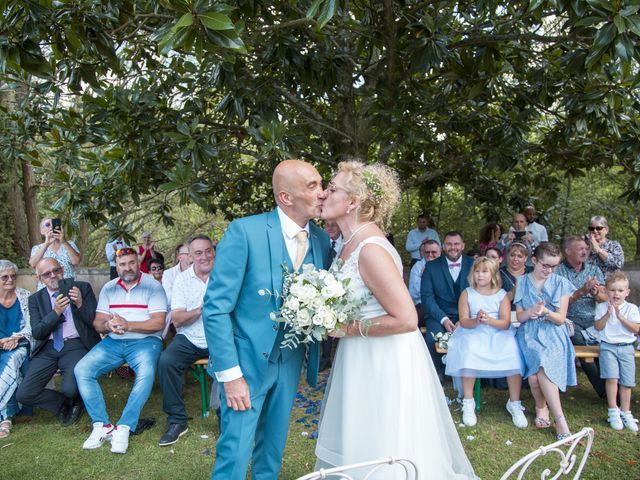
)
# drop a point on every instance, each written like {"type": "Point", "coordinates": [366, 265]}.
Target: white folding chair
{"type": "Point", "coordinates": [410, 470]}
{"type": "Point", "coordinates": [567, 459]}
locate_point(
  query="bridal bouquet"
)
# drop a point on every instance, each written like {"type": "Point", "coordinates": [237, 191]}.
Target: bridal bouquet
{"type": "Point", "coordinates": [315, 304]}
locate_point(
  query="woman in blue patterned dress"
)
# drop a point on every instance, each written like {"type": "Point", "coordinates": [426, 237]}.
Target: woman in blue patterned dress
{"type": "Point", "coordinates": [541, 300]}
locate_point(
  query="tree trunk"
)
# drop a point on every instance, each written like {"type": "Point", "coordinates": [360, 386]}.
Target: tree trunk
{"type": "Point", "coordinates": [30, 203]}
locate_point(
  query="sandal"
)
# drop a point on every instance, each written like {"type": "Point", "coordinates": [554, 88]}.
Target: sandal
{"type": "Point", "coordinates": [542, 420]}
{"type": "Point", "coordinates": [5, 428]}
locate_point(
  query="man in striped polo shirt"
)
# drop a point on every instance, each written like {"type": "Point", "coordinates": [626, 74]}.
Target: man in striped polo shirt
{"type": "Point", "coordinates": [131, 311]}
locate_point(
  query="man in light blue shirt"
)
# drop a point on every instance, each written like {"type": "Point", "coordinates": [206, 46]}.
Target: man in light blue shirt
{"type": "Point", "coordinates": [419, 235]}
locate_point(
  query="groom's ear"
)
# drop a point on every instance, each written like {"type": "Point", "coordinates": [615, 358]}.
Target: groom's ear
{"type": "Point", "coordinates": [283, 198]}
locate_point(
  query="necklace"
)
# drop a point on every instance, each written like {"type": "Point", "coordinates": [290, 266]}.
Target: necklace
{"type": "Point", "coordinates": [361, 227]}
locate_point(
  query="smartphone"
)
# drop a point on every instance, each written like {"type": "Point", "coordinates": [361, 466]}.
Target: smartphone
{"type": "Point", "coordinates": [56, 224]}
{"type": "Point", "coordinates": [65, 285]}
{"type": "Point", "coordinates": [519, 234]}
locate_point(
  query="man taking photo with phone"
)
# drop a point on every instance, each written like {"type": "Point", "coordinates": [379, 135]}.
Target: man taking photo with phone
{"type": "Point", "coordinates": [62, 328]}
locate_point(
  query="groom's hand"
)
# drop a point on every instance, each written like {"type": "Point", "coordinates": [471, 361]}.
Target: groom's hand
{"type": "Point", "coordinates": [237, 393]}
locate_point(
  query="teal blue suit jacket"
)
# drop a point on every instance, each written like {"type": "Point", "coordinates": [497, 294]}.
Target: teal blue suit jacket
{"type": "Point", "coordinates": [237, 325]}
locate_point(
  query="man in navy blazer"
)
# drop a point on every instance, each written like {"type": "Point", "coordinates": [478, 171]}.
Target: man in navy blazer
{"type": "Point", "coordinates": [443, 280]}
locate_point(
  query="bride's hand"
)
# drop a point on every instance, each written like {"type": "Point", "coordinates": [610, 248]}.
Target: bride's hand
{"type": "Point", "coordinates": [352, 328]}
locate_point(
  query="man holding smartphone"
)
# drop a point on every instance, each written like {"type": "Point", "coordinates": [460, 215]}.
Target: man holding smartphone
{"type": "Point", "coordinates": [62, 326]}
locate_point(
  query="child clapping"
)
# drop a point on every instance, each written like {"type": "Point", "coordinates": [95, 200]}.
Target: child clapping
{"type": "Point", "coordinates": [618, 323]}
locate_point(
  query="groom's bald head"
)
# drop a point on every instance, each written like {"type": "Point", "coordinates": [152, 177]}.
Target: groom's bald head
{"type": "Point", "coordinates": [297, 188]}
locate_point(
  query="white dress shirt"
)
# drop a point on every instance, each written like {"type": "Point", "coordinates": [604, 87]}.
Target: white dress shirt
{"type": "Point", "coordinates": [455, 271]}
{"type": "Point", "coordinates": [188, 294]}
{"type": "Point", "coordinates": [415, 281]}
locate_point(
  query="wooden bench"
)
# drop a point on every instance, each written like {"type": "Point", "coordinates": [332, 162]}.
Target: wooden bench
{"type": "Point", "coordinates": [199, 371]}
{"type": "Point", "coordinates": [588, 353]}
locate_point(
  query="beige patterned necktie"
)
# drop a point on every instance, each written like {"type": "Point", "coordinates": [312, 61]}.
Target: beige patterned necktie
{"type": "Point", "coordinates": [301, 237]}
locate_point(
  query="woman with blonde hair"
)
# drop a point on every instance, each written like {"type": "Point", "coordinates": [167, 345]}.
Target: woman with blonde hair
{"type": "Point", "coordinates": [383, 394]}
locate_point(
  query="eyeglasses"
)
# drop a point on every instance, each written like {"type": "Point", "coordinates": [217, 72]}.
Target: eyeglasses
{"type": "Point", "coordinates": [125, 251]}
{"type": "Point", "coordinates": [50, 273]}
{"type": "Point", "coordinates": [156, 269]}
{"type": "Point", "coordinates": [549, 268]}
{"type": "Point", "coordinates": [598, 228]}
{"type": "Point", "coordinates": [7, 278]}
{"type": "Point", "coordinates": [183, 253]}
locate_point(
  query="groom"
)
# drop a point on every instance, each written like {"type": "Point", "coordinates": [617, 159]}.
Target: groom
{"type": "Point", "coordinates": [260, 379]}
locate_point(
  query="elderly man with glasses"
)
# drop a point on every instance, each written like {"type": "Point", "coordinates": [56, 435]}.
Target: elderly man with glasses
{"type": "Point", "coordinates": [62, 329]}
{"type": "Point", "coordinates": [131, 312]}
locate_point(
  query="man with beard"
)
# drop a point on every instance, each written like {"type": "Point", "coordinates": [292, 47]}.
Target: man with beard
{"type": "Point", "coordinates": [443, 280]}
{"type": "Point", "coordinates": [131, 311]}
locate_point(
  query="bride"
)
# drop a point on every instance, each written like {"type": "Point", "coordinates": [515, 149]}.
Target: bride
{"type": "Point", "coordinates": [383, 397]}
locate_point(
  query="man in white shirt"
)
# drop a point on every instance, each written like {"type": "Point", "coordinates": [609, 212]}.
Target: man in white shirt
{"type": "Point", "coordinates": [429, 250]}
{"type": "Point", "coordinates": [538, 231]}
{"type": "Point", "coordinates": [189, 344]}
{"type": "Point", "coordinates": [419, 235]}
{"type": "Point", "coordinates": [170, 275]}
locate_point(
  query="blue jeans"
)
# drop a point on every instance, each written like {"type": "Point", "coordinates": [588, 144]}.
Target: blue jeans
{"type": "Point", "coordinates": [141, 355]}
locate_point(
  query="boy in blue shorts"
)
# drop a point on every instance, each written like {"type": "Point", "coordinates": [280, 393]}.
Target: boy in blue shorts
{"type": "Point", "coordinates": [618, 323]}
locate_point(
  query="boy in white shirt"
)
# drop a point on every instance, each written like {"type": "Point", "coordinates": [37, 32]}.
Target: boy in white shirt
{"type": "Point", "coordinates": [618, 323]}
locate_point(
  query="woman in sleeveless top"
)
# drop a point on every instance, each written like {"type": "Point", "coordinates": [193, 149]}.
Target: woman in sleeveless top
{"type": "Point", "coordinates": [383, 397]}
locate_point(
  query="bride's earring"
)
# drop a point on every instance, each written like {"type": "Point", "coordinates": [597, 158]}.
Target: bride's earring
{"type": "Point", "coordinates": [348, 211]}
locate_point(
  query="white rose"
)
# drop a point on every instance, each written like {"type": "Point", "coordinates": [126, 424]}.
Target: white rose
{"type": "Point", "coordinates": [330, 320]}
{"type": "Point", "coordinates": [342, 317]}
{"type": "Point", "coordinates": [292, 303]}
{"type": "Point", "coordinates": [304, 319]}
{"type": "Point", "coordinates": [333, 290]}
{"type": "Point", "coordinates": [262, 292]}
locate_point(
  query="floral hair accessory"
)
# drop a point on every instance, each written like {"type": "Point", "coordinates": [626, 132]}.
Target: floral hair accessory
{"type": "Point", "coordinates": [373, 184]}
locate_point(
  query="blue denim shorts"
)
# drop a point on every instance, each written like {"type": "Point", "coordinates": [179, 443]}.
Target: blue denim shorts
{"type": "Point", "coordinates": [618, 361]}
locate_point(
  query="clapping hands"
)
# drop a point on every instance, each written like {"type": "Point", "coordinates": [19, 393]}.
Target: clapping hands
{"type": "Point", "coordinates": [539, 310]}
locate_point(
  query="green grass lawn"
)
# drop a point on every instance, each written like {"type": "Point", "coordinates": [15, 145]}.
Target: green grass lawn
{"type": "Point", "coordinates": [40, 448]}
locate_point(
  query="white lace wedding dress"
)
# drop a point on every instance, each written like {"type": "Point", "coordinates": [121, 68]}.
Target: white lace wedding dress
{"type": "Point", "coordinates": [384, 399]}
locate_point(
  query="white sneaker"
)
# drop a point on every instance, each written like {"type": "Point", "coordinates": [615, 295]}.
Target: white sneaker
{"type": "Point", "coordinates": [614, 419]}
{"type": "Point", "coordinates": [629, 422]}
{"type": "Point", "coordinates": [469, 412]}
{"type": "Point", "coordinates": [99, 434]}
{"type": "Point", "coordinates": [120, 439]}
{"type": "Point", "coordinates": [516, 409]}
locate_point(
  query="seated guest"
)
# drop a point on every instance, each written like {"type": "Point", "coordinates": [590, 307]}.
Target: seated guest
{"type": "Point", "coordinates": [56, 246]}
{"type": "Point", "coordinates": [443, 280]}
{"type": "Point", "coordinates": [518, 232]}
{"type": "Point", "coordinates": [484, 344]}
{"type": "Point", "coordinates": [515, 268]}
{"type": "Point", "coordinates": [156, 268]}
{"type": "Point", "coordinates": [110, 250]}
{"type": "Point", "coordinates": [418, 235]}
{"type": "Point", "coordinates": [606, 254]}
{"type": "Point", "coordinates": [539, 232]}
{"type": "Point", "coordinates": [618, 323]}
{"type": "Point", "coordinates": [62, 330]}
{"type": "Point", "coordinates": [542, 299]}
{"type": "Point", "coordinates": [588, 280]}
{"type": "Point", "coordinates": [489, 237]}
{"type": "Point", "coordinates": [131, 311]}
{"type": "Point", "coordinates": [182, 262]}
{"type": "Point", "coordinates": [15, 333]}
{"type": "Point", "coordinates": [429, 250]}
{"type": "Point", "coordinates": [189, 344]}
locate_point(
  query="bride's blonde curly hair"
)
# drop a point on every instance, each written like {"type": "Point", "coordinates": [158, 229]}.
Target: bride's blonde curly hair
{"type": "Point", "coordinates": [376, 186]}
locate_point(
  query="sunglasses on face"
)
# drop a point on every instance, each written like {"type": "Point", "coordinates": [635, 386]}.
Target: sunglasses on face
{"type": "Point", "coordinates": [156, 269]}
{"type": "Point", "coordinates": [125, 251]}
{"type": "Point", "coordinates": [51, 273]}
{"type": "Point", "coordinates": [598, 228]}
{"type": "Point", "coordinates": [10, 277]}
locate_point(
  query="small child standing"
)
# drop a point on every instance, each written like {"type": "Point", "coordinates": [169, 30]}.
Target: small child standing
{"type": "Point", "coordinates": [618, 323]}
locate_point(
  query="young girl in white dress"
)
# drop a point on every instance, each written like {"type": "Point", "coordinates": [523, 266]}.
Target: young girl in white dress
{"type": "Point", "coordinates": [383, 397]}
{"type": "Point", "coordinates": [484, 343]}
